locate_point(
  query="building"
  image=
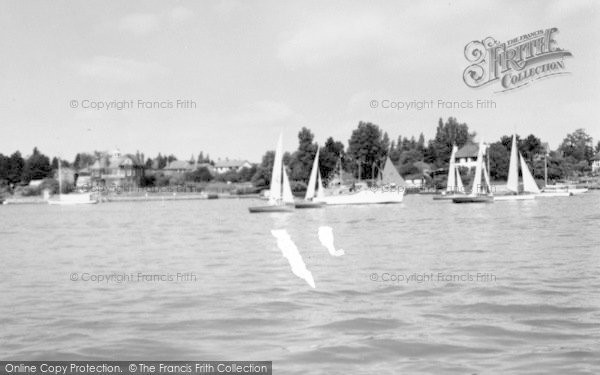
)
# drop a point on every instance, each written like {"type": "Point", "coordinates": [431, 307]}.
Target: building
{"type": "Point", "coordinates": [596, 163]}
{"type": "Point", "coordinates": [224, 166]}
{"type": "Point", "coordinates": [117, 170]}
{"type": "Point", "coordinates": [466, 156]}
{"type": "Point", "coordinates": [178, 167]}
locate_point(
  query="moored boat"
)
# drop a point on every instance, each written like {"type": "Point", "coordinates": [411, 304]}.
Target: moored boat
{"type": "Point", "coordinates": [530, 188]}
{"type": "Point", "coordinates": [477, 195]}
{"type": "Point", "coordinates": [389, 190]}
{"type": "Point", "coordinates": [315, 178]}
{"type": "Point", "coordinates": [454, 185]}
{"type": "Point", "coordinates": [280, 192]}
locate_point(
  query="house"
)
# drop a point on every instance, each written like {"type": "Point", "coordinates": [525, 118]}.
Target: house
{"type": "Point", "coordinates": [596, 163]}
{"type": "Point", "coordinates": [466, 156]}
{"type": "Point", "coordinates": [178, 167]}
{"type": "Point", "coordinates": [224, 166]}
{"type": "Point", "coordinates": [117, 170]}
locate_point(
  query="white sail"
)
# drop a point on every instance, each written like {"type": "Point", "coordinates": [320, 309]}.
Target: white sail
{"type": "Point", "coordinates": [390, 174]}
{"type": "Point", "coordinates": [310, 190]}
{"type": "Point", "coordinates": [287, 190]}
{"type": "Point", "coordinates": [459, 184]}
{"type": "Point", "coordinates": [451, 185]}
{"type": "Point", "coordinates": [529, 184]}
{"type": "Point", "coordinates": [478, 169]}
{"type": "Point", "coordinates": [486, 176]}
{"type": "Point", "coordinates": [275, 189]}
{"type": "Point", "coordinates": [320, 189]}
{"type": "Point", "coordinates": [512, 183]}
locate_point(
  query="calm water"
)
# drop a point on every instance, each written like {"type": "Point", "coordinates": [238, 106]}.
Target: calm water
{"type": "Point", "coordinates": [540, 313]}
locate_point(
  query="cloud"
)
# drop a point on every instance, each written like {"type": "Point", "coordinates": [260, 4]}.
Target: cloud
{"type": "Point", "coordinates": [181, 14]}
{"type": "Point", "coordinates": [332, 38]}
{"type": "Point", "coordinates": [119, 70]}
{"type": "Point", "coordinates": [140, 23]}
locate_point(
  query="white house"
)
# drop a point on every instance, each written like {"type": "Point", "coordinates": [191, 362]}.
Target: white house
{"type": "Point", "coordinates": [224, 166]}
{"type": "Point", "coordinates": [596, 163]}
{"type": "Point", "coordinates": [466, 156]}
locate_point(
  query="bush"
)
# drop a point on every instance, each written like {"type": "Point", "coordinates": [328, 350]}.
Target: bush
{"type": "Point", "coordinates": [201, 174]}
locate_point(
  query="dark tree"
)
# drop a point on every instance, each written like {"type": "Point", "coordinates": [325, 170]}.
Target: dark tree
{"type": "Point", "coordinates": [330, 155]}
{"type": "Point", "coordinates": [36, 167]}
{"type": "Point", "coordinates": [367, 149]}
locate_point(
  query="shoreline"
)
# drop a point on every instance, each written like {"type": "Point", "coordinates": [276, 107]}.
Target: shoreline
{"type": "Point", "coordinates": [138, 198]}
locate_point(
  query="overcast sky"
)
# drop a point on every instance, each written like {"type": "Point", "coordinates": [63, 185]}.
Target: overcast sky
{"type": "Point", "coordinates": [255, 68]}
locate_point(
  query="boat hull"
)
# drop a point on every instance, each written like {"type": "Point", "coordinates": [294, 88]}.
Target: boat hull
{"type": "Point", "coordinates": [447, 197]}
{"type": "Point", "coordinates": [73, 199]}
{"type": "Point", "coordinates": [274, 208]}
{"type": "Point", "coordinates": [467, 199]}
{"type": "Point", "coordinates": [520, 197]}
{"type": "Point", "coordinates": [554, 194]}
{"type": "Point", "coordinates": [363, 197]}
{"type": "Point", "coordinates": [303, 205]}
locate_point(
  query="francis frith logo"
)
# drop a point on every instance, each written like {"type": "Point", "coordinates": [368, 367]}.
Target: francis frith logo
{"type": "Point", "coordinates": [516, 62]}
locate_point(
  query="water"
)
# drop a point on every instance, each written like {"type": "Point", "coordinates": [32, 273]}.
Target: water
{"type": "Point", "coordinates": [541, 313]}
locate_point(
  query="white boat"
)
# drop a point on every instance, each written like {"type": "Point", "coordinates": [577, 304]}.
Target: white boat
{"type": "Point", "coordinates": [390, 190]}
{"type": "Point", "coordinates": [280, 192]}
{"type": "Point", "coordinates": [311, 191]}
{"type": "Point", "coordinates": [454, 185]}
{"type": "Point", "coordinates": [530, 188]}
{"type": "Point", "coordinates": [561, 190]}
{"type": "Point", "coordinates": [71, 199]}
{"type": "Point", "coordinates": [479, 193]}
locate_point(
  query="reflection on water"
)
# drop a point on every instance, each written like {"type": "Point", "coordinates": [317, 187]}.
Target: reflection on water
{"type": "Point", "coordinates": [540, 315]}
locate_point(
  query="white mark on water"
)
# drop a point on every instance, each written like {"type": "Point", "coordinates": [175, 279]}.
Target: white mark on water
{"type": "Point", "coordinates": [290, 251]}
{"type": "Point", "coordinates": [326, 238]}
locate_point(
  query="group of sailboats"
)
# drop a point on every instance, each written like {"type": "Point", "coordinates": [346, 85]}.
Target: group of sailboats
{"type": "Point", "coordinates": [530, 188]}
{"type": "Point", "coordinates": [390, 189]}
{"type": "Point", "coordinates": [481, 191]}
{"type": "Point", "coordinates": [280, 192]}
{"type": "Point", "coordinates": [454, 185]}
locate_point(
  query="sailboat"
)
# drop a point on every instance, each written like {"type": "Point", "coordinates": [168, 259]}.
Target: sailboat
{"type": "Point", "coordinates": [315, 178]}
{"type": "Point", "coordinates": [73, 198]}
{"type": "Point", "coordinates": [454, 186]}
{"type": "Point", "coordinates": [280, 192]}
{"type": "Point", "coordinates": [390, 190]}
{"type": "Point", "coordinates": [512, 184]}
{"type": "Point", "coordinates": [476, 195]}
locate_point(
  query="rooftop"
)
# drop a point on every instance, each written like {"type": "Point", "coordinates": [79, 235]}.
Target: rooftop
{"type": "Point", "coordinates": [469, 150]}
{"type": "Point", "coordinates": [230, 163]}
{"type": "Point", "coordinates": [178, 165]}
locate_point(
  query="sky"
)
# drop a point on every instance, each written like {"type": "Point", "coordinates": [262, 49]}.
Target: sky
{"type": "Point", "coordinates": [256, 68]}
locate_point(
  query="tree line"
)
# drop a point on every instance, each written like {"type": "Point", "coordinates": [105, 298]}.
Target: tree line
{"type": "Point", "coordinates": [368, 148]}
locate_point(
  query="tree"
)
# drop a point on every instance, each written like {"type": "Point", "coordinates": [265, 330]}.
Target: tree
{"type": "Point", "coordinates": [578, 145]}
{"type": "Point", "coordinates": [331, 153]}
{"type": "Point", "coordinates": [448, 134]}
{"type": "Point", "coordinates": [262, 177]}
{"type": "Point", "coordinates": [36, 167]}
{"type": "Point", "coordinates": [499, 161]}
{"type": "Point", "coordinates": [531, 146]}
{"type": "Point", "coordinates": [367, 148]}
{"type": "Point", "coordinates": [302, 159]}
{"type": "Point", "coordinates": [15, 168]}
{"type": "Point", "coordinates": [201, 174]}
{"type": "Point", "coordinates": [407, 161]}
